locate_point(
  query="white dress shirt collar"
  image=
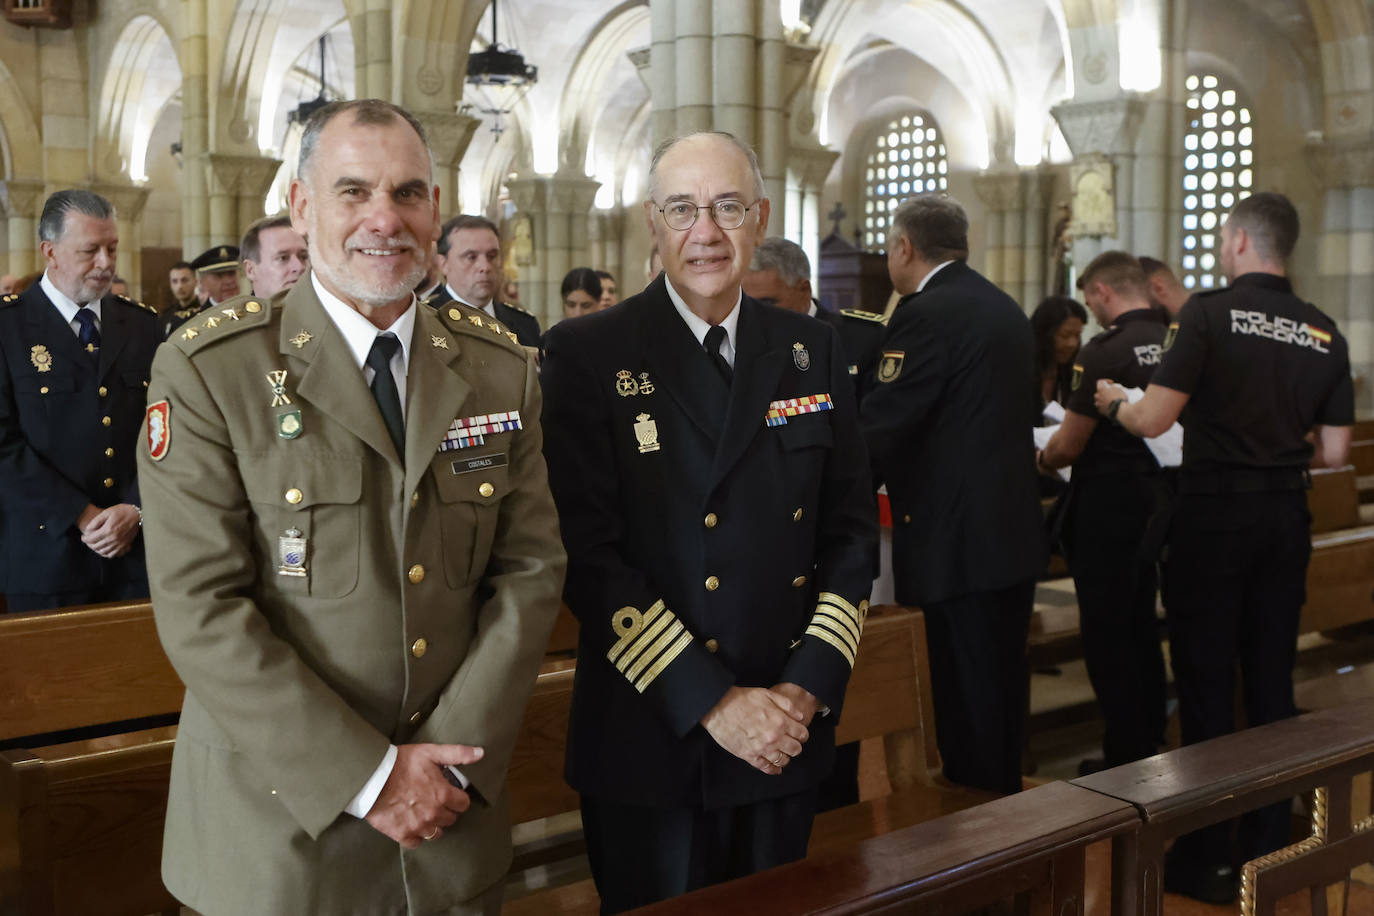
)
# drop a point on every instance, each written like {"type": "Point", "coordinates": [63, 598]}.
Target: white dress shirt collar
{"type": "Point", "coordinates": [699, 326]}
{"type": "Point", "coordinates": [926, 279]}
{"type": "Point", "coordinates": [66, 305]}
{"type": "Point", "coordinates": [359, 333]}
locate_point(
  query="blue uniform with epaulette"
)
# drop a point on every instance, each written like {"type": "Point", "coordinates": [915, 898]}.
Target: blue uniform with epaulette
{"type": "Point", "coordinates": [718, 535]}
{"type": "Point", "coordinates": [69, 422]}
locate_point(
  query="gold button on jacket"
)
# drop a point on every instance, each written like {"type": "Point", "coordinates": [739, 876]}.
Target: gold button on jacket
{"type": "Point", "coordinates": [419, 647]}
{"type": "Point", "coordinates": [294, 496]}
{"type": "Point", "coordinates": [416, 574]}
{"type": "Point", "coordinates": [711, 520]}
{"type": "Point", "coordinates": [712, 583]}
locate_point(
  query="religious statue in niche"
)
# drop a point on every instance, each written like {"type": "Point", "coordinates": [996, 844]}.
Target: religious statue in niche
{"type": "Point", "coordinates": [1061, 256]}
{"type": "Point", "coordinates": [522, 241]}
{"type": "Point", "coordinates": [1094, 198]}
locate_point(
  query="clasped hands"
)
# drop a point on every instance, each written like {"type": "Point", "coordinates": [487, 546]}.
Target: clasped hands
{"type": "Point", "coordinates": [109, 532]}
{"type": "Point", "coordinates": [763, 726]}
{"type": "Point", "coordinates": [418, 802]}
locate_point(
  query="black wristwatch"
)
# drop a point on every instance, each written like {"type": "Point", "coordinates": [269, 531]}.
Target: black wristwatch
{"type": "Point", "coordinates": [1114, 408]}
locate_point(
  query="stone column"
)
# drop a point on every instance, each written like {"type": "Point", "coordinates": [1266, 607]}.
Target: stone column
{"type": "Point", "coordinates": [239, 188]}
{"type": "Point", "coordinates": [25, 204]}
{"type": "Point", "coordinates": [1345, 289]}
{"type": "Point", "coordinates": [557, 207]}
{"type": "Point", "coordinates": [128, 202]}
{"type": "Point", "coordinates": [195, 128]}
{"type": "Point", "coordinates": [1036, 255]}
{"type": "Point", "coordinates": [810, 167]}
{"type": "Point", "coordinates": [449, 135]}
{"type": "Point", "coordinates": [605, 251]}
{"type": "Point", "coordinates": [370, 24]}
{"type": "Point", "coordinates": [1001, 193]}
{"type": "Point", "coordinates": [1107, 128]}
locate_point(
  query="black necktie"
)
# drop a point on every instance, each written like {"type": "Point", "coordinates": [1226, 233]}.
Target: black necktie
{"type": "Point", "coordinates": [88, 334]}
{"type": "Point", "coordinates": [715, 336]}
{"type": "Point", "coordinates": [384, 389]}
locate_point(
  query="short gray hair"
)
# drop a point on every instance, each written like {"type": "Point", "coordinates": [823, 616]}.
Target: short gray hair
{"type": "Point", "coordinates": [375, 112]}
{"type": "Point", "coordinates": [935, 225]}
{"type": "Point", "coordinates": [760, 192]}
{"type": "Point", "coordinates": [785, 258]}
{"type": "Point", "coordinates": [53, 223]}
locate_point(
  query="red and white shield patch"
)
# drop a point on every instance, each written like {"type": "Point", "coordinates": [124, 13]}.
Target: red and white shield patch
{"type": "Point", "coordinates": [159, 430]}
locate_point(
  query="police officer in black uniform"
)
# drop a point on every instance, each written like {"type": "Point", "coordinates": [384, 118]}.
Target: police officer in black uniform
{"type": "Point", "coordinates": [217, 280]}
{"type": "Point", "coordinates": [780, 274]}
{"type": "Point", "coordinates": [1249, 370]}
{"type": "Point", "coordinates": [1117, 487]}
{"type": "Point", "coordinates": [74, 363]}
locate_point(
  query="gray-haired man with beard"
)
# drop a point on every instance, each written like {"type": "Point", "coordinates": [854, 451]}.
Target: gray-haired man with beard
{"type": "Point", "coordinates": [357, 561]}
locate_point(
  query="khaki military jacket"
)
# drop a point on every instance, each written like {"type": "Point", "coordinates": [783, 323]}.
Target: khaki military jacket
{"type": "Point", "coordinates": [320, 599]}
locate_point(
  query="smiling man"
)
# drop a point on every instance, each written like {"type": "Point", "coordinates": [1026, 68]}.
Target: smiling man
{"type": "Point", "coordinates": [357, 561]}
{"type": "Point", "coordinates": [74, 363]}
{"type": "Point", "coordinates": [714, 499]}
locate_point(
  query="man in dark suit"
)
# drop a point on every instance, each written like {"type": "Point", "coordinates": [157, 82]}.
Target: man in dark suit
{"type": "Point", "coordinates": [470, 250]}
{"type": "Point", "coordinates": [947, 424]}
{"type": "Point", "coordinates": [72, 390]}
{"type": "Point", "coordinates": [714, 498]}
{"type": "Point", "coordinates": [217, 280]}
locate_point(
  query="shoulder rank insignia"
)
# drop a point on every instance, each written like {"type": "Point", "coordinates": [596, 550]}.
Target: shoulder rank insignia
{"type": "Point", "coordinates": [1170, 335]}
{"type": "Point", "coordinates": [891, 365]}
{"type": "Point", "coordinates": [41, 358]}
{"type": "Point", "coordinates": [801, 358]}
{"type": "Point", "coordinates": [861, 315]}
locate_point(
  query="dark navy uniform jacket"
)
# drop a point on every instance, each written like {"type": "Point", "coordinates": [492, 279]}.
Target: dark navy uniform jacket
{"type": "Point", "coordinates": [68, 429]}
{"type": "Point", "coordinates": [706, 548]}
{"type": "Point", "coordinates": [525, 325]}
{"type": "Point", "coordinates": [1128, 352]}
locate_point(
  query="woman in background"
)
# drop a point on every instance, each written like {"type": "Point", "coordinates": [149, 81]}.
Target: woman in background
{"type": "Point", "coordinates": [1058, 326]}
{"type": "Point", "coordinates": [581, 292]}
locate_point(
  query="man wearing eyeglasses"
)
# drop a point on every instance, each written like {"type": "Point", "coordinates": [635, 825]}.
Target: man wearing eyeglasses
{"type": "Point", "coordinates": [714, 498]}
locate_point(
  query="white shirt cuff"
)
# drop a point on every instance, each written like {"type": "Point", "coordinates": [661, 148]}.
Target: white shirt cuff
{"type": "Point", "coordinates": [367, 796]}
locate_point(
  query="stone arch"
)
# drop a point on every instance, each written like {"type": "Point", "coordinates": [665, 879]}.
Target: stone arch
{"type": "Point", "coordinates": [23, 145]}
{"type": "Point", "coordinates": [1343, 30]}
{"type": "Point", "coordinates": [142, 75]}
{"type": "Point", "coordinates": [431, 51]}
{"type": "Point", "coordinates": [583, 94]}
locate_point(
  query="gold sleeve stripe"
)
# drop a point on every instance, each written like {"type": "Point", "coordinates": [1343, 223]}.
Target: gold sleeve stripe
{"type": "Point", "coordinates": [645, 638]}
{"type": "Point", "coordinates": [663, 661]}
{"type": "Point", "coordinates": [673, 632]}
{"type": "Point", "coordinates": [840, 617]}
{"type": "Point", "coordinates": [628, 623]}
{"type": "Point", "coordinates": [828, 623]}
{"type": "Point", "coordinates": [824, 634]}
{"type": "Point", "coordinates": [837, 601]}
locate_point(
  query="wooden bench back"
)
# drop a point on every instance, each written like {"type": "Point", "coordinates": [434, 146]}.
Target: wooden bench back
{"type": "Point", "coordinates": [1333, 500]}
{"type": "Point", "coordinates": [77, 667]}
{"type": "Point", "coordinates": [1362, 455]}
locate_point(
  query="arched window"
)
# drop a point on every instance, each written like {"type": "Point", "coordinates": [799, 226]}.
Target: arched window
{"type": "Point", "coordinates": [1218, 170]}
{"type": "Point", "coordinates": [907, 159]}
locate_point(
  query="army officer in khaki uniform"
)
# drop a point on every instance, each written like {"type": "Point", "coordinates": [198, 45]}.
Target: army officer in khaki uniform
{"type": "Point", "coordinates": [354, 561]}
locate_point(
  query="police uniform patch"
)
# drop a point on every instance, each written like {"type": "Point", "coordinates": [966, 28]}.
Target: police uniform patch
{"type": "Point", "coordinates": [1077, 378]}
{"type": "Point", "coordinates": [159, 430]}
{"type": "Point", "coordinates": [41, 358]}
{"type": "Point", "coordinates": [891, 365]}
{"type": "Point", "coordinates": [1170, 335]}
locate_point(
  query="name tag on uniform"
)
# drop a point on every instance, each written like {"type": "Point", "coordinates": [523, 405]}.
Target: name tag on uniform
{"type": "Point", "coordinates": [779, 411]}
{"type": "Point", "coordinates": [469, 431]}
{"type": "Point", "coordinates": [479, 463]}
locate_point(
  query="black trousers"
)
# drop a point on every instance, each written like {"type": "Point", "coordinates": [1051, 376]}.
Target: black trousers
{"type": "Point", "coordinates": [119, 591]}
{"type": "Point", "coordinates": [977, 648]}
{"type": "Point", "coordinates": [1234, 586]}
{"type": "Point", "coordinates": [640, 854]}
{"type": "Point", "coordinates": [1116, 585]}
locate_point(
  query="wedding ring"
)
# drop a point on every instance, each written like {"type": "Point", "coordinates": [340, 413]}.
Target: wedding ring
{"type": "Point", "coordinates": [432, 834]}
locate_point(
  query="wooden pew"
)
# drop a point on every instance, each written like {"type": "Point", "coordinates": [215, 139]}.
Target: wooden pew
{"type": "Point", "coordinates": [82, 820]}
{"type": "Point", "coordinates": [1032, 843]}
{"type": "Point", "coordinates": [888, 697]}
{"type": "Point", "coordinates": [1217, 780]}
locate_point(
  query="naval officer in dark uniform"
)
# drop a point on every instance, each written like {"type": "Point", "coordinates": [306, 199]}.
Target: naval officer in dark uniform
{"type": "Point", "coordinates": [1117, 487]}
{"type": "Point", "coordinates": [469, 249]}
{"type": "Point", "coordinates": [1249, 370]}
{"type": "Point", "coordinates": [780, 274]}
{"type": "Point", "coordinates": [714, 498]}
{"type": "Point", "coordinates": [73, 385]}
{"type": "Point", "coordinates": [947, 421]}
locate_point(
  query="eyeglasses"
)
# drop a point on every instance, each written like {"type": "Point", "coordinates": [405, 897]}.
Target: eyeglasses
{"type": "Point", "coordinates": [682, 215]}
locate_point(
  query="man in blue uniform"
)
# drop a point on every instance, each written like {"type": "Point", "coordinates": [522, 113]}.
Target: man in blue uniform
{"type": "Point", "coordinates": [469, 249]}
{"type": "Point", "coordinates": [73, 385]}
{"type": "Point", "coordinates": [1117, 487]}
{"type": "Point", "coordinates": [1250, 370]}
{"type": "Point", "coordinates": [714, 499]}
